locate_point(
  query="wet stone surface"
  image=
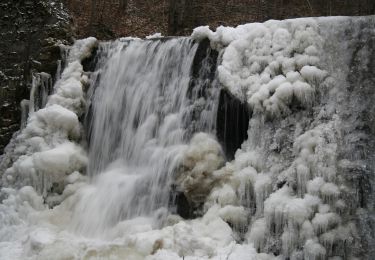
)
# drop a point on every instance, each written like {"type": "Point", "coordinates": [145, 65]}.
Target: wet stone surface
{"type": "Point", "coordinates": [30, 33]}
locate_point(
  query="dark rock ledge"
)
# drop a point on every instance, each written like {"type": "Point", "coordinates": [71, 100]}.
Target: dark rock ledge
{"type": "Point", "coordinates": [30, 32]}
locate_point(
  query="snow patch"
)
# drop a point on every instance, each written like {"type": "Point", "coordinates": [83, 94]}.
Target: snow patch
{"type": "Point", "coordinates": [269, 64]}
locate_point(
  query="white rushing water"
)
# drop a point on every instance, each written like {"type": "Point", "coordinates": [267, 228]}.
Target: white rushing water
{"type": "Point", "coordinates": [109, 164]}
{"type": "Point", "coordinates": [139, 130]}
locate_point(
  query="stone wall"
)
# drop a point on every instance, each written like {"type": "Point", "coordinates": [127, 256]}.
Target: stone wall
{"type": "Point", "coordinates": [30, 33]}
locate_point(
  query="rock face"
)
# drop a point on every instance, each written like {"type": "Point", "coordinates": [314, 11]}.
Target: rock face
{"type": "Point", "coordinates": [232, 123]}
{"type": "Point", "coordinates": [356, 110]}
{"type": "Point", "coordinates": [30, 34]}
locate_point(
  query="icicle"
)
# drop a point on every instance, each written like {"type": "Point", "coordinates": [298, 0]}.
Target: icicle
{"type": "Point", "coordinates": [25, 105]}
{"type": "Point", "coordinates": [41, 88]}
{"type": "Point", "coordinates": [257, 233]}
{"type": "Point", "coordinates": [34, 89]}
{"type": "Point", "coordinates": [289, 240]}
{"type": "Point", "coordinates": [58, 71]}
{"type": "Point", "coordinates": [262, 188]}
{"type": "Point", "coordinates": [322, 221]}
{"type": "Point", "coordinates": [313, 250]}
{"type": "Point", "coordinates": [303, 175]}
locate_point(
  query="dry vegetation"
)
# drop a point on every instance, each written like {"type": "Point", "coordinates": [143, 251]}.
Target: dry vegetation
{"type": "Point", "coordinates": [114, 18]}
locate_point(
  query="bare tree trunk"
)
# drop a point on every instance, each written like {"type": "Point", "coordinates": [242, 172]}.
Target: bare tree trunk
{"type": "Point", "coordinates": [124, 5]}
{"type": "Point", "coordinates": [93, 15]}
{"type": "Point", "coordinates": [176, 15]}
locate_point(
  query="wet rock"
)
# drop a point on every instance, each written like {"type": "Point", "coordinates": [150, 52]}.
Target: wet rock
{"type": "Point", "coordinates": [30, 34]}
{"type": "Point", "coordinates": [232, 123]}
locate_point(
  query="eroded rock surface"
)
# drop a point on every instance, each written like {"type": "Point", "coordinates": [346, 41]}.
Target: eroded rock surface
{"type": "Point", "coordinates": [30, 34]}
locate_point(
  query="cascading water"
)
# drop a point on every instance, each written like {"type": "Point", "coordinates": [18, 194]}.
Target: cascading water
{"type": "Point", "coordinates": [144, 97]}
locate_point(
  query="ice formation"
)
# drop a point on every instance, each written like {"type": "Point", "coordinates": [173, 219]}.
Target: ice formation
{"type": "Point", "coordinates": [275, 67]}
{"type": "Point", "coordinates": [286, 195]}
{"type": "Point", "coordinates": [269, 64]}
{"type": "Point", "coordinates": [48, 150]}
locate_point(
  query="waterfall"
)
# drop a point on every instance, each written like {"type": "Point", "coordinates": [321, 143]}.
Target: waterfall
{"type": "Point", "coordinates": [144, 102]}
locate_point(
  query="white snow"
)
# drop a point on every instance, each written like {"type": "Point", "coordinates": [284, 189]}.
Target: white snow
{"type": "Point", "coordinates": [262, 63]}
{"type": "Point", "coordinates": [154, 36]}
